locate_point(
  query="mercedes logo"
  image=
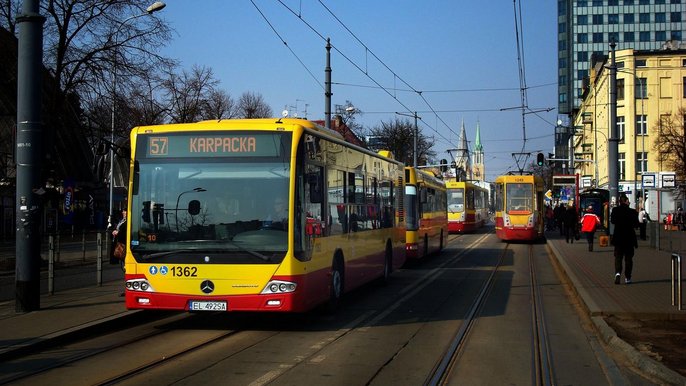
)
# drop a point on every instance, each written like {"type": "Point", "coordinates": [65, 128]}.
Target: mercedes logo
{"type": "Point", "coordinates": [207, 286]}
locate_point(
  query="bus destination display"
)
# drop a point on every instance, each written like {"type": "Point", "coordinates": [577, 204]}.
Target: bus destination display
{"type": "Point", "coordinates": [214, 145]}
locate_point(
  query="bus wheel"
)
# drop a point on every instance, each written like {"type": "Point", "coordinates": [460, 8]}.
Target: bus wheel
{"type": "Point", "coordinates": [387, 264]}
{"type": "Point", "coordinates": [426, 246]}
{"type": "Point", "coordinates": [335, 285]}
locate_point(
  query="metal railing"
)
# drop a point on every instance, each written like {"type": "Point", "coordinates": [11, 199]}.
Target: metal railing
{"type": "Point", "coordinates": [676, 280]}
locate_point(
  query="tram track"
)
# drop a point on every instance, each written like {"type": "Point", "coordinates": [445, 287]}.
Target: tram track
{"type": "Point", "coordinates": [542, 370]}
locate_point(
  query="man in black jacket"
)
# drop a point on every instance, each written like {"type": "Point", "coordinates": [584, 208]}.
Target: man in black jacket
{"type": "Point", "coordinates": [624, 239]}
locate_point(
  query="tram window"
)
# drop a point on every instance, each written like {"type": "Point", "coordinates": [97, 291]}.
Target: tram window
{"type": "Point", "coordinates": [519, 197]}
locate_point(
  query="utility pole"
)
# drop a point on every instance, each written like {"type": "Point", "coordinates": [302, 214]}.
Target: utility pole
{"type": "Point", "coordinates": [327, 86]}
{"type": "Point", "coordinates": [416, 134]}
{"type": "Point", "coordinates": [28, 157]}
{"type": "Point", "coordinates": [613, 150]}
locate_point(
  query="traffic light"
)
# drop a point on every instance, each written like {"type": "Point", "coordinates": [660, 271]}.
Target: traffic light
{"type": "Point", "coordinates": [540, 159]}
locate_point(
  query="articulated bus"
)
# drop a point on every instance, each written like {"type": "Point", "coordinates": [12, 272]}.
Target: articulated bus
{"type": "Point", "coordinates": [519, 207]}
{"type": "Point", "coordinates": [257, 215]}
{"type": "Point", "coordinates": [425, 209]}
{"type": "Point", "coordinates": [467, 206]}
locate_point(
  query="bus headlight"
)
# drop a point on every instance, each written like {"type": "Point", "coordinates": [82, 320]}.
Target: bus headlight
{"type": "Point", "coordinates": [279, 287]}
{"type": "Point", "coordinates": [140, 285]}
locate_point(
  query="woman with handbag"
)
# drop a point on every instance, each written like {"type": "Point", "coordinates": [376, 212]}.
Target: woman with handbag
{"type": "Point", "coordinates": [119, 240]}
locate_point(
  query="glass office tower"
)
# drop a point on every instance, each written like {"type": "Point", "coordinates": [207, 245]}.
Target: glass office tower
{"type": "Point", "coordinates": [586, 28]}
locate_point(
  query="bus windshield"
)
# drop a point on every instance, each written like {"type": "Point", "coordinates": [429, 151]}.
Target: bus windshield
{"type": "Point", "coordinates": [519, 197]}
{"type": "Point", "coordinates": [456, 200]}
{"type": "Point", "coordinates": [210, 210]}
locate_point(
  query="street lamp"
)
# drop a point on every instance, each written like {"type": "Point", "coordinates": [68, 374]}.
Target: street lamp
{"type": "Point", "coordinates": [154, 7]}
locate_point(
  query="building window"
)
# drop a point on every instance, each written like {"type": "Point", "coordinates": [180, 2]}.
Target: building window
{"type": "Point", "coordinates": [562, 27]}
{"type": "Point", "coordinates": [644, 18]}
{"type": "Point", "coordinates": [628, 2]}
{"type": "Point", "coordinates": [640, 63]}
{"type": "Point", "coordinates": [629, 18]}
{"type": "Point", "coordinates": [644, 36]}
{"type": "Point", "coordinates": [582, 19]}
{"type": "Point", "coordinates": [641, 88]}
{"type": "Point", "coordinates": [582, 38]}
{"type": "Point", "coordinates": [621, 128]}
{"type": "Point", "coordinates": [620, 89]}
{"type": "Point", "coordinates": [597, 37]}
{"type": "Point", "coordinates": [612, 2]}
{"type": "Point", "coordinates": [598, 19]}
{"type": "Point", "coordinates": [660, 17]}
{"type": "Point", "coordinates": [675, 17]}
{"type": "Point", "coordinates": [621, 164]}
{"type": "Point", "coordinates": [582, 56]}
{"type": "Point", "coordinates": [581, 3]}
{"type": "Point", "coordinates": [613, 37]}
{"type": "Point", "coordinates": [641, 162]}
{"type": "Point", "coordinates": [562, 98]}
{"type": "Point", "coordinates": [581, 74]}
{"type": "Point", "coordinates": [676, 35]}
{"type": "Point", "coordinates": [562, 79]}
{"type": "Point", "coordinates": [641, 125]}
{"type": "Point", "coordinates": [659, 1]}
{"type": "Point", "coordinates": [597, 3]}
{"type": "Point", "coordinates": [613, 18]}
{"type": "Point", "coordinates": [629, 36]}
{"type": "Point", "coordinates": [643, 2]}
{"type": "Point", "coordinates": [683, 85]}
{"type": "Point", "coordinates": [660, 36]}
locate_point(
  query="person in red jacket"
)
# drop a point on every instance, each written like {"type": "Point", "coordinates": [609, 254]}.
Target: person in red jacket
{"type": "Point", "coordinates": [589, 223]}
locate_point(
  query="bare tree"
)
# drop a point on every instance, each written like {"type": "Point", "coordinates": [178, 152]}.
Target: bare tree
{"type": "Point", "coordinates": [187, 93]}
{"type": "Point", "coordinates": [219, 105]}
{"type": "Point", "coordinates": [397, 135]}
{"type": "Point", "coordinates": [670, 144]}
{"type": "Point", "coordinates": [8, 14]}
{"type": "Point", "coordinates": [252, 105]}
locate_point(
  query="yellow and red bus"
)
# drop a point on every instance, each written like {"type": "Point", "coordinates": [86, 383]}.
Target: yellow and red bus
{"type": "Point", "coordinates": [467, 206]}
{"type": "Point", "coordinates": [257, 215]}
{"type": "Point", "coordinates": [425, 213]}
{"type": "Point", "coordinates": [519, 207]}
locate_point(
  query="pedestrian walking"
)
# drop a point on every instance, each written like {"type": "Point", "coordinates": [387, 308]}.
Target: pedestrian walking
{"type": "Point", "coordinates": [571, 219]}
{"type": "Point", "coordinates": [625, 220]}
{"type": "Point", "coordinates": [643, 220]}
{"type": "Point", "coordinates": [589, 224]}
{"type": "Point", "coordinates": [559, 213]}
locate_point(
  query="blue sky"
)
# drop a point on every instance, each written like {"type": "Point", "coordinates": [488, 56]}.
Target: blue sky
{"type": "Point", "coordinates": [461, 55]}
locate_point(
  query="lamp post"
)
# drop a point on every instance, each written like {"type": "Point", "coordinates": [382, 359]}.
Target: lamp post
{"type": "Point", "coordinates": [644, 129]}
{"type": "Point", "coordinates": [154, 7]}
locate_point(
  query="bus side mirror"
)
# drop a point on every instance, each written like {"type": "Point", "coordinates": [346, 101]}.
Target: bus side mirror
{"type": "Point", "coordinates": [194, 207]}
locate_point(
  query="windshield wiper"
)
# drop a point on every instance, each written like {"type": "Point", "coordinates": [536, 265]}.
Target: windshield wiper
{"type": "Point", "coordinates": [254, 253]}
{"type": "Point", "coordinates": [167, 253]}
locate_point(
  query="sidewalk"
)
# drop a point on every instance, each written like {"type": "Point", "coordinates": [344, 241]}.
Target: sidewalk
{"type": "Point", "coordinates": [648, 297]}
{"type": "Point", "coordinates": [68, 313]}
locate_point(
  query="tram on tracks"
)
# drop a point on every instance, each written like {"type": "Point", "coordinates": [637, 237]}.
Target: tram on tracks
{"type": "Point", "coordinates": [426, 218]}
{"type": "Point", "coordinates": [519, 207]}
{"type": "Point", "coordinates": [274, 215]}
{"type": "Point", "coordinates": [467, 206]}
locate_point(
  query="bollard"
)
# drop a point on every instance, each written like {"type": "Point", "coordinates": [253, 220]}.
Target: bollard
{"type": "Point", "coordinates": [57, 248]}
{"type": "Point", "coordinates": [676, 280]}
{"type": "Point", "coordinates": [98, 260]}
{"type": "Point", "coordinates": [83, 244]}
{"type": "Point", "coordinates": [51, 265]}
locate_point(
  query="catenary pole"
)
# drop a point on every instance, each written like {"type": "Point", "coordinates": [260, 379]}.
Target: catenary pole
{"type": "Point", "coordinates": [613, 151]}
{"type": "Point", "coordinates": [28, 157]}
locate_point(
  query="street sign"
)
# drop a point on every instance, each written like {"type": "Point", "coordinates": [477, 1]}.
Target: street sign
{"type": "Point", "coordinates": [549, 194]}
